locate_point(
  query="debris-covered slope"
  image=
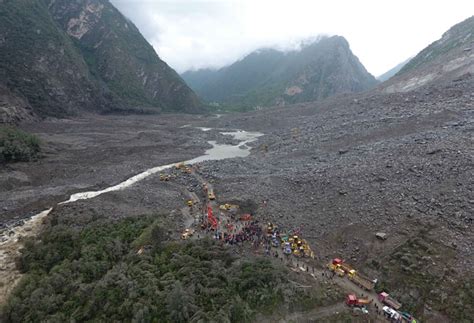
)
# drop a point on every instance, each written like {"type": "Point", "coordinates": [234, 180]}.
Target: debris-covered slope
{"type": "Point", "coordinates": [448, 58]}
{"type": "Point", "coordinates": [352, 166]}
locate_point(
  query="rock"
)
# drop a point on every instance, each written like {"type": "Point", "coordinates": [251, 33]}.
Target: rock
{"type": "Point", "coordinates": [434, 151]}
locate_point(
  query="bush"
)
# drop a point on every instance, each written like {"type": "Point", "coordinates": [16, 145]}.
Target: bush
{"type": "Point", "coordinates": [96, 273]}
{"type": "Point", "coordinates": [17, 145]}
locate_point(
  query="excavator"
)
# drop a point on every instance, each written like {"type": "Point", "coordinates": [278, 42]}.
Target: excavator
{"type": "Point", "coordinates": [228, 207]}
{"type": "Point", "coordinates": [179, 166]}
{"type": "Point", "coordinates": [211, 219]}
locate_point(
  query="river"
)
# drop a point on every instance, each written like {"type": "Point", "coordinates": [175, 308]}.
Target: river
{"type": "Point", "coordinates": [10, 243]}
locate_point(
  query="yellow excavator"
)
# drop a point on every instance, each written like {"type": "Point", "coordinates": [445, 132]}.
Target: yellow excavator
{"type": "Point", "coordinates": [227, 207]}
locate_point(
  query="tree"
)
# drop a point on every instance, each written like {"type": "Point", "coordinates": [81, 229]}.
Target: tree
{"type": "Point", "coordinates": [180, 304]}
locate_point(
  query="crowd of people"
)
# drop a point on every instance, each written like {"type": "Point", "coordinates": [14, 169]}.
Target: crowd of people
{"type": "Point", "coordinates": [249, 232]}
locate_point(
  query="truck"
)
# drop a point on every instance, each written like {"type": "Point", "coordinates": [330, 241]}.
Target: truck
{"type": "Point", "coordinates": [275, 241]}
{"type": "Point", "coordinates": [386, 299]}
{"type": "Point", "coordinates": [391, 314]}
{"type": "Point", "coordinates": [360, 280]}
{"type": "Point", "coordinates": [334, 266]}
{"type": "Point", "coordinates": [352, 300]}
{"type": "Point", "coordinates": [338, 263]}
{"type": "Point", "coordinates": [287, 248]}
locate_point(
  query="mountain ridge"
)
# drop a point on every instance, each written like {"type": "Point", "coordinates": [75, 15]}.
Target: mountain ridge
{"type": "Point", "coordinates": [272, 77]}
{"type": "Point", "coordinates": [67, 57]}
{"type": "Point", "coordinates": [446, 59]}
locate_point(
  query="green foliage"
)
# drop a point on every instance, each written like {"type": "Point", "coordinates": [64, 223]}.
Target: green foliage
{"type": "Point", "coordinates": [410, 275]}
{"type": "Point", "coordinates": [111, 68]}
{"type": "Point", "coordinates": [17, 145]}
{"type": "Point", "coordinates": [458, 302]}
{"type": "Point", "coordinates": [37, 58]}
{"type": "Point", "coordinates": [260, 79]}
{"type": "Point", "coordinates": [95, 273]}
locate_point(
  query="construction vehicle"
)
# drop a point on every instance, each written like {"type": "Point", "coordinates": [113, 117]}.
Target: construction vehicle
{"type": "Point", "coordinates": [271, 228]}
{"type": "Point", "coordinates": [334, 264]}
{"type": "Point", "coordinates": [190, 203]}
{"type": "Point", "coordinates": [228, 207]}
{"type": "Point", "coordinates": [352, 300]}
{"type": "Point", "coordinates": [211, 220]}
{"type": "Point", "coordinates": [339, 272]}
{"type": "Point", "coordinates": [386, 299]}
{"type": "Point", "coordinates": [179, 166]}
{"type": "Point", "coordinates": [211, 196]}
{"type": "Point", "coordinates": [360, 280]}
{"type": "Point", "coordinates": [187, 233]}
{"type": "Point", "coordinates": [341, 264]}
{"type": "Point", "coordinates": [341, 268]}
{"type": "Point", "coordinates": [287, 248]}
{"type": "Point", "coordinates": [275, 241]}
{"type": "Point", "coordinates": [246, 217]}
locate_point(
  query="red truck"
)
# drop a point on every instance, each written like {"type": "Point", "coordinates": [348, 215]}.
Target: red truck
{"type": "Point", "coordinates": [386, 299]}
{"type": "Point", "coordinates": [352, 300]}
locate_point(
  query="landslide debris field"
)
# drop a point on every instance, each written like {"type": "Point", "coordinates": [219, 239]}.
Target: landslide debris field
{"type": "Point", "coordinates": [341, 171]}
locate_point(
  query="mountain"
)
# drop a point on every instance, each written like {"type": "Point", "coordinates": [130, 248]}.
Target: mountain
{"type": "Point", "coordinates": [269, 77]}
{"type": "Point", "coordinates": [391, 72]}
{"type": "Point", "coordinates": [61, 57]}
{"type": "Point", "coordinates": [446, 59]}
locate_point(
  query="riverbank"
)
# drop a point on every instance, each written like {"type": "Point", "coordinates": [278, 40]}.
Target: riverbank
{"type": "Point", "coordinates": [91, 153]}
{"type": "Point", "coordinates": [16, 232]}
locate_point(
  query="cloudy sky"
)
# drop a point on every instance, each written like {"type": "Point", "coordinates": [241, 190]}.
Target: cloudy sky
{"type": "Point", "coordinates": [192, 34]}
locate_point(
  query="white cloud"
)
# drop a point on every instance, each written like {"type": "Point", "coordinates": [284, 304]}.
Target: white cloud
{"type": "Point", "coordinates": [191, 34]}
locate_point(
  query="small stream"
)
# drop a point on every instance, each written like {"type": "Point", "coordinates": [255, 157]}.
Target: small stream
{"type": "Point", "coordinates": [11, 237]}
{"type": "Point", "coordinates": [217, 152]}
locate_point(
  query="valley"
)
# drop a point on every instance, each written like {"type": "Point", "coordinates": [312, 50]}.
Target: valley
{"type": "Point", "coordinates": [341, 171]}
{"type": "Point", "coordinates": [274, 179]}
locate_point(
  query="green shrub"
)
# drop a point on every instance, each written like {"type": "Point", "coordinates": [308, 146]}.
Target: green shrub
{"type": "Point", "coordinates": [17, 145]}
{"type": "Point", "coordinates": [95, 273]}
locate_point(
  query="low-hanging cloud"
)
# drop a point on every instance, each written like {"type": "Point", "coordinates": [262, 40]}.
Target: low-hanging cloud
{"type": "Point", "coordinates": [193, 34]}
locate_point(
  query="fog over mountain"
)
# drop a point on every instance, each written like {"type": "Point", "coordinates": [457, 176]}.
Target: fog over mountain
{"type": "Point", "coordinates": [190, 34]}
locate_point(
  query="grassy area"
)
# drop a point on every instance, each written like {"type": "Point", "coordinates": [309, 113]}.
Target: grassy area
{"type": "Point", "coordinates": [419, 274]}
{"type": "Point", "coordinates": [129, 270]}
{"type": "Point", "coordinates": [17, 145]}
